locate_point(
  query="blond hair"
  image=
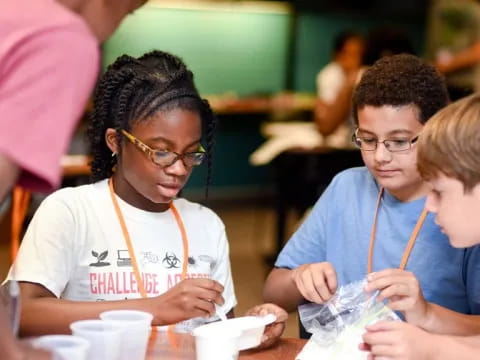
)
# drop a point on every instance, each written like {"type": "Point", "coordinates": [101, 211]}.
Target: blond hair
{"type": "Point", "coordinates": [450, 143]}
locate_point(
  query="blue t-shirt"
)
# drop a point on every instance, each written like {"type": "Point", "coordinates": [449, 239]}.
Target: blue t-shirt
{"type": "Point", "coordinates": [338, 231]}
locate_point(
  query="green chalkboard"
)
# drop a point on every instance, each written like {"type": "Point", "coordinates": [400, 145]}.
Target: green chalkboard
{"type": "Point", "coordinates": [230, 48]}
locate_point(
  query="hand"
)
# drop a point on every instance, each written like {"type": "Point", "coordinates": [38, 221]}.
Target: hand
{"type": "Point", "coordinates": [396, 340]}
{"type": "Point", "coordinates": [403, 292]}
{"type": "Point", "coordinates": [188, 299]}
{"type": "Point", "coordinates": [316, 282]}
{"type": "Point", "coordinates": [275, 330]}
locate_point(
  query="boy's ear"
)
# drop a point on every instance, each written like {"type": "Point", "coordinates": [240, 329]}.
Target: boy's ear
{"type": "Point", "coordinates": [111, 138]}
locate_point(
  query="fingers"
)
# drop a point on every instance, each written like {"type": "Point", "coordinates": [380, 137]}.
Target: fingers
{"type": "Point", "coordinates": [308, 289]}
{"type": "Point", "coordinates": [272, 333]}
{"type": "Point", "coordinates": [384, 326]}
{"type": "Point", "coordinates": [374, 338]}
{"type": "Point", "coordinates": [382, 279]}
{"type": "Point", "coordinates": [316, 282]}
{"type": "Point", "coordinates": [395, 284]}
{"type": "Point", "coordinates": [265, 309]}
{"type": "Point", "coordinates": [197, 297]}
{"type": "Point", "coordinates": [331, 277]}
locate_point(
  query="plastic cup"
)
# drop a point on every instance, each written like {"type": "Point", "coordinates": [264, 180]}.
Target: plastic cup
{"type": "Point", "coordinates": [103, 336]}
{"type": "Point", "coordinates": [64, 347]}
{"type": "Point", "coordinates": [136, 327]}
{"type": "Point", "coordinates": [216, 343]}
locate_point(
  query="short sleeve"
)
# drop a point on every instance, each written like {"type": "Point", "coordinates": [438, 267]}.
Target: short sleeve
{"type": "Point", "coordinates": [472, 278]}
{"type": "Point", "coordinates": [308, 243]}
{"type": "Point", "coordinates": [45, 81]}
{"type": "Point", "coordinates": [46, 255]}
{"type": "Point", "coordinates": [329, 82]}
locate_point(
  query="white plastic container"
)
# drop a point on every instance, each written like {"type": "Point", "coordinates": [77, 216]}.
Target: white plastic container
{"type": "Point", "coordinates": [251, 329]}
{"type": "Point", "coordinates": [64, 347]}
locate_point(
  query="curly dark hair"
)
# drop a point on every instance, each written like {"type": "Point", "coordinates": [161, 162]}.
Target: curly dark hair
{"type": "Point", "coordinates": [131, 90]}
{"type": "Point", "coordinates": [401, 80]}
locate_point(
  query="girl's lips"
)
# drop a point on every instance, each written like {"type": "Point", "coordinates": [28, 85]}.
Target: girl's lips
{"type": "Point", "coordinates": [171, 186]}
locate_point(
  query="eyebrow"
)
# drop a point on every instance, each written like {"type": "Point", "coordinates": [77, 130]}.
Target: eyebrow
{"type": "Point", "coordinates": [393, 132]}
{"type": "Point", "coordinates": [170, 143]}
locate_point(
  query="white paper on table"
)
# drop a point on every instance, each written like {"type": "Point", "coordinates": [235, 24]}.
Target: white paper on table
{"type": "Point", "coordinates": [290, 135]}
{"type": "Point", "coordinates": [345, 348]}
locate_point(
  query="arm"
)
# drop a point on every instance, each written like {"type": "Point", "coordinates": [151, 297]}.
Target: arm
{"type": "Point", "coordinates": [403, 292]}
{"type": "Point", "coordinates": [301, 272]}
{"type": "Point", "coordinates": [441, 320]}
{"type": "Point", "coordinates": [398, 340]}
{"type": "Point", "coordinates": [461, 60]}
{"type": "Point", "coordinates": [9, 172]}
{"type": "Point", "coordinates": [312, 282]}
{"type": "Point", "coordinates": [14, 350]}
{"type": "Point", "coordinates": [280, 288]}
{"type": "Point", "coordinates": [44, 313]}
{"type": "Point", "coordinates": [38, 125]}
{"type": "Point", "coordinates": [328, 116]}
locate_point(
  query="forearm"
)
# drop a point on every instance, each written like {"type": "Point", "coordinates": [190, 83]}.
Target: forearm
{"type": "Point", "coordinates": [335, 113]}
{"type": "Point", "coordinates": [464, 59]}
{"type": "Point", "coordinates": [454, 347]}
{"type": "Point", "coordinates": [280, 289]}
{"type": "Point", "coordinates": [441, 320]}
{"type": "Point", "coordinates": [53, 316]}
{"type": "Point", "coordinates": [10, 348]}
{"type": "Point", "coordinates": [9, 172]}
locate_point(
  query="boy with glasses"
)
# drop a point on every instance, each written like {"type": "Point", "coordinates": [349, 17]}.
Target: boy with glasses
{"type": "Point", "coordinates": [373, 218]}
{"type": "Point", "coordinates": [449, 159]}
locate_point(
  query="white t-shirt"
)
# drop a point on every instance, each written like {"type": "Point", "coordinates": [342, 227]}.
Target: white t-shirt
{"type": "Point", "coordinates": [329, 82]}
{"type": "Point", "coordinates": [75, 247]}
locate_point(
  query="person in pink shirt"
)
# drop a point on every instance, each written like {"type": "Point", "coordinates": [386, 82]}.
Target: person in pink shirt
{"type": "Point", "coordinates": [49, 61]}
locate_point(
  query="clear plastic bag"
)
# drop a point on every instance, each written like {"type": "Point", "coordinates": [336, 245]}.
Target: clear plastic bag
{"type": "Point", "coordinates": [340, 322]}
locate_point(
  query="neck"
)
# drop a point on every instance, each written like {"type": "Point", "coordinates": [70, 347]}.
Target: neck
{"type": "Point", "coordinates": [410, 193]}
{"type": "Point", "coordinates": [130, 195]}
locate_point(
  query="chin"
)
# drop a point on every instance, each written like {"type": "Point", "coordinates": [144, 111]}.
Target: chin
{"type": "Point", "coordinates": [390, 184]}
{"type": "Point", "coordinates": [463, 242]}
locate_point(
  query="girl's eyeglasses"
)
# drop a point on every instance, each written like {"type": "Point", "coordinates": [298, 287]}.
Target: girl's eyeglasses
{"type": "Point", "coordinates": [167, 158]}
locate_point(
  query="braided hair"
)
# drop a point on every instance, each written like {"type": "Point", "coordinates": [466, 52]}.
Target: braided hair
{"type": "Point", "coordinates": [132, 90]}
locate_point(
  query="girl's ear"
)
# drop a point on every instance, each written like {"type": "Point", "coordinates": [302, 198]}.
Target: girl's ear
{"type": "Point", "coordinates": [111, 138]}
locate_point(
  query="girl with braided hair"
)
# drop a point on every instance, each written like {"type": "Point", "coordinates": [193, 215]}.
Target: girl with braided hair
{"type": "Point", "coordinates": [126, 241]}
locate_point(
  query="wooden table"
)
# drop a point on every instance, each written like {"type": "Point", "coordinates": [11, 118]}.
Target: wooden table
{"type": "Point", "coordinates": [160, 348]}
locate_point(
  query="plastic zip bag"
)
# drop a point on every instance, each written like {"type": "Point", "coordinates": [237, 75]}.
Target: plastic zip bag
{"type": "Point", "coordinates": [337, 325]}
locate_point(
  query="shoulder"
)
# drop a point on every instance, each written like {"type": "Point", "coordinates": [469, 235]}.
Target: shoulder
{"type": "Point", "coordinates": [30, 17]}
{"type": "Point", "coordinates": [45, 27]}
{"type": "Point", "coordinates": [70, 197]}
{"type": "Point", "coordinates": [331, 70]}
{"type": "Point", "coordinates": [356, 178]}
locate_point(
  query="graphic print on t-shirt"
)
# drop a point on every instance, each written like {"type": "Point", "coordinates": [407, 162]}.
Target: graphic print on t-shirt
{"type": "Point", "coordinates": [100, 256]}
{"type": "Point", "coordinates": [123, 258]}
{"type": "Point", "coordinates": [171, 261]}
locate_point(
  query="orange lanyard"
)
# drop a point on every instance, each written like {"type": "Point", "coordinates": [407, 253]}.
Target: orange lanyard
{"type": "Point", "coordinates": [128, 241]}
{"type": "Point", "coordinates": [20, 203]}
{"type": "Point", "coordinates": [411, 241]}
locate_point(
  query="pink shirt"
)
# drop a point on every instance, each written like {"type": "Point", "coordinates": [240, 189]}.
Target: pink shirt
{"type": "Point", "coordinates": [49, 61]}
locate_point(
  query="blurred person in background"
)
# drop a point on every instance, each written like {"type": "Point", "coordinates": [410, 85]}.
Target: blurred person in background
{"type": "Point", "coordinates": [454, 44]}
{"type": "Point", "coordinates": [335, 82]}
